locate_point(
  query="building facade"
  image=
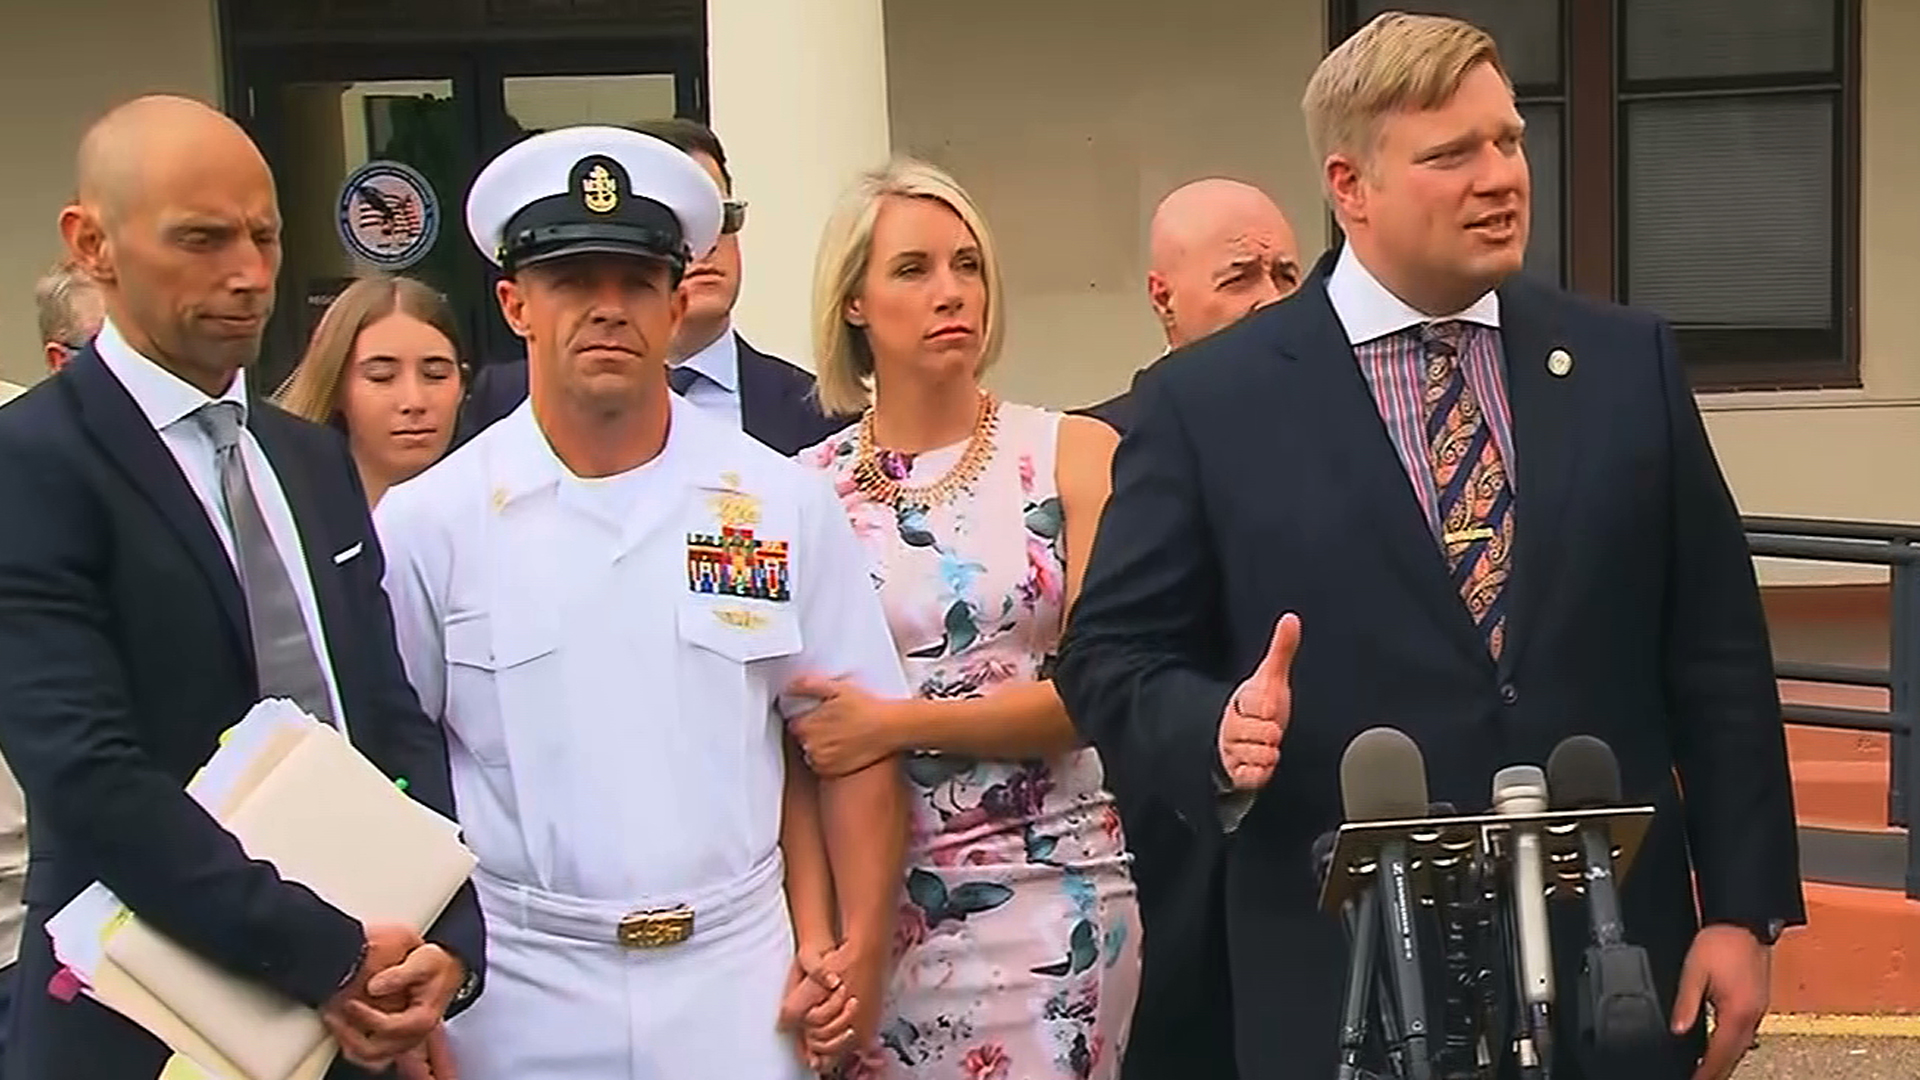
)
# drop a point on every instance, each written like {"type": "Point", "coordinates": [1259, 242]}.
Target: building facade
{"type": "Point", "coordinates": [1743, 166]}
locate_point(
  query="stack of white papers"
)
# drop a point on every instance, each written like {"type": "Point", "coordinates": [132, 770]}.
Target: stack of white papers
{"type": "Point", "coordinates": [295, 794]}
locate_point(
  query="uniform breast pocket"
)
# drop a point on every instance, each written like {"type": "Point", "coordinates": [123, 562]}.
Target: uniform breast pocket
{"type": "Point", "coordinates": [739, 632]}
{"type": "Point", "coordinates": [731, 652]}
{"type": "Point", "coordinates": [488, 673]}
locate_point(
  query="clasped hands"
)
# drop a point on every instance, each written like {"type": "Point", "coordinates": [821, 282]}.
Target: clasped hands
{"type": "Point", "coordinates": [831, 1003]}
{"type": "Point", "coordinates": [390, 1014]}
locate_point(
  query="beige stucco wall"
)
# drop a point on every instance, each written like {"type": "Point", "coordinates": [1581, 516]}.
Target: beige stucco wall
{"type": "Point", "coordinates": [1069, 121]}
{"type": "Point", "coordinates": [60, 68]}
{"type": "Point", "coordinates": [1068, 124]}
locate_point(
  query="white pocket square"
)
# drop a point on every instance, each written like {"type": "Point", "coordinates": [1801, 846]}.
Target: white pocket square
{"type": "Point", "coordinates": [348, 555]}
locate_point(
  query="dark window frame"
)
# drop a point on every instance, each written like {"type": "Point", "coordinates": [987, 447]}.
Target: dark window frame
{"type": "Point", "coordinates": [476, 53]}
{"type": "Point", "coordinates": [1593, 97]}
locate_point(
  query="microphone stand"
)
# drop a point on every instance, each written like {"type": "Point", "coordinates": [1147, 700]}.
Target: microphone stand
{"type": "Point", "coordinates": [1505, 1025]}
{"type": "Point", "coordinates": [1363, 931]}
{"type": "Point", "coordinates": [1462, 1051]}
{"type": "Point", "coordinates": [1485, 944]}
{"type": "Point", "coordinates": [1528, 1053]}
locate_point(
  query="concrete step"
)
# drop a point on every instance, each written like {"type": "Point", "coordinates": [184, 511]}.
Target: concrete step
{"type": "Point", "coordinates": [1855, 955]}
{"type": "Point", "coordinates": [1863, 858]}
{"type": "Point", "coordinates": [1841, 794]}
{"type": "Point", "coordinates": [1840, 778]}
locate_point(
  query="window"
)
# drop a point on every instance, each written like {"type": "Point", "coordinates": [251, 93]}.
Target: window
{"type": "Point", "coordinates": [1696, 157]}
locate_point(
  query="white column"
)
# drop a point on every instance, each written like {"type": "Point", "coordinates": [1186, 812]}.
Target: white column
{"type": "Point", "coordinates": [799, 99]}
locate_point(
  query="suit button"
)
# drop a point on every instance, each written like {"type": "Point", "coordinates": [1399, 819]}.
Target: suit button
{"type": "Point", "coordinates": [1509, 695]}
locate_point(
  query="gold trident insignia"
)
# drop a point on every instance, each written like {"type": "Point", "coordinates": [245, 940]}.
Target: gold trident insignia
{"type": "Point", "coordinates": [599, 191]}
{"type": "Point", "coordinates": [736, 509]}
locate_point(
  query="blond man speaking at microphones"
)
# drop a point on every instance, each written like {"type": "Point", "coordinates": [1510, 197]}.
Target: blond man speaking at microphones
{"type": "Point", "coordinates": [1493, 510]}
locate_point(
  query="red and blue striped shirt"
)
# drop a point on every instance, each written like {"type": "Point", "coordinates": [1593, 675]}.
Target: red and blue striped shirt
{"type": "Point", "coordinates": [1384, 332]}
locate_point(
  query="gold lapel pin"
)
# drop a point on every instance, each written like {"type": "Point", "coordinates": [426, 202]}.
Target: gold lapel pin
{"type": "Point", "coordinates": [1560, 363]}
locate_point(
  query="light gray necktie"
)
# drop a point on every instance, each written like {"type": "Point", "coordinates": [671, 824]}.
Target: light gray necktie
{"type": "Point", "coordinates": [283, 653]}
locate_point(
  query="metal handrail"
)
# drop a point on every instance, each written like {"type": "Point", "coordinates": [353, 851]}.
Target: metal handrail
{"type": "Point", "coordinates": [1833, 549]}
{"type": "Point", "coordinates": [1897, 547]}
{"type": "Point", "coordinates": [1839, 674]}
{"type": "Point", "coordinates": [1837, 530]}
{"type": "Point", "coordinates": [1828, 716]}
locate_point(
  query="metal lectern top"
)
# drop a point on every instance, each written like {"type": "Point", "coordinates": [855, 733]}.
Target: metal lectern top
{"type": "Point", "coordinates": [1443, 841]}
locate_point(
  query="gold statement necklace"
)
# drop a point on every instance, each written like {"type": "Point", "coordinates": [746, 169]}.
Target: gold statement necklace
{"type": "Point", "coordinates": [870, 475]}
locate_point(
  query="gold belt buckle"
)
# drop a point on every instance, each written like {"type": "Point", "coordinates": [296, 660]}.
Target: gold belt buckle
{"type": "Point", "coordinates": [656, 929]}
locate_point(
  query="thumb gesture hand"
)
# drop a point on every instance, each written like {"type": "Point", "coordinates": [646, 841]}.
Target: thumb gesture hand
{"type": "Point", "coordinates": [1257, 713]}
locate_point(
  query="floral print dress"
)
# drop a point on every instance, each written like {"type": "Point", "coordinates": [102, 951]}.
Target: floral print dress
{"type": "Point", "coordinates": [1017, 946]}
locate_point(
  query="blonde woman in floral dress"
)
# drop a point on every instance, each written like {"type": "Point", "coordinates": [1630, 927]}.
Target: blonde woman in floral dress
{"type": "Point", "coordinates": [1017, 947]}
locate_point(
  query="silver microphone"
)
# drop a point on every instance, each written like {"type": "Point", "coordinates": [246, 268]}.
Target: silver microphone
{"type": "Point", "coordinates": [1522, 789]}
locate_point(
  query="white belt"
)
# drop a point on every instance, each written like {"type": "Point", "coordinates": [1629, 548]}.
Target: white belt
{"type": "Point", "coordinates": [654, 923]}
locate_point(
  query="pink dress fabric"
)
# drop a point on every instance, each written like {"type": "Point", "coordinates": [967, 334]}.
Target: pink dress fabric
{"type": "Point", "coordinates": [1018, 942]}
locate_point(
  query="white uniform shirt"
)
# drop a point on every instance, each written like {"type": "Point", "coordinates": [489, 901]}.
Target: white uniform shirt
{"type": "Point", "coordinates": [170, 403]}
{"type": "Point", "coordinates": [615, 731]}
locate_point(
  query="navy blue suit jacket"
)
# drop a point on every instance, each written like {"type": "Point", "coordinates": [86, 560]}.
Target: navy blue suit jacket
{"type": "Point", "coordinates": [1259, 478]}
{"type": "Point", "coordinates": [124, 653]}
{"type": "Point", "coordinates": [1117, 411]}
{"type": "Point", "coordinates": [777, 404]}
{"type": "Point", "coordinates": [1183, 1021]}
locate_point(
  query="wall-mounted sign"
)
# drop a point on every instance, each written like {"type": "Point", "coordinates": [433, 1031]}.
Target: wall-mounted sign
{"type": "Point", "coordinates": [388, 215]}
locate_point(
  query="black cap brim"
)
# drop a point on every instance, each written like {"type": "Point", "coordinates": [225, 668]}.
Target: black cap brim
{"type": "Point", "coordinates": [592, 247]}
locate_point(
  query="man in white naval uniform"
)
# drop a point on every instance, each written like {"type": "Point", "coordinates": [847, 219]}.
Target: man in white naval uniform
{"type": "Point", "coordinates": [603, 597]}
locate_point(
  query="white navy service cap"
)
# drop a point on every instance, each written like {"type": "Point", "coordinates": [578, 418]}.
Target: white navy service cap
{"type": "Point", "coordinates": [593, 190]}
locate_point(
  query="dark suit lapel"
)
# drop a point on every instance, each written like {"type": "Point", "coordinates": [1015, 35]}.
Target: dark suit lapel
{"type": "Point", "coordinates": [1546, 438]}
{"type": "Point", "coordinates": [117, 424]}
{"type": "Point", "coordinates": [762, 413]}
{"type": "Point", "coordinates": [1366, 464]}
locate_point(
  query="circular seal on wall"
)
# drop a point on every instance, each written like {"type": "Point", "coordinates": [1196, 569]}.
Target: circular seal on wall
{"type": "Point", "coordinates": [388, 215]}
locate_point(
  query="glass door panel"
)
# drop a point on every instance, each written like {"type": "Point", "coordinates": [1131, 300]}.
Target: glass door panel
{"type": "Point", "coordinates": [320, 132]}
{"type": "Point", "coordinates": [537, 103]}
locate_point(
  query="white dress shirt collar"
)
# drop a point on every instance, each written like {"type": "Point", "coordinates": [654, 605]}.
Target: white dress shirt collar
{"type": "Point", "coordinates": [719, 362]}
{"type": "Point", "coordinates": [163, 397]}
{"type": "Point", "coordinates": [169, 404]}
{"type": "Point", "coordinates": [526, 464]}
{"type": "Point", "coordinates": [1370, 311]}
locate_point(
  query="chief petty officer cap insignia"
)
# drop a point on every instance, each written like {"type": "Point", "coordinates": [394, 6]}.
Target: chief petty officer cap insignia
{"type": "Point", "coordinates": [593, 190]}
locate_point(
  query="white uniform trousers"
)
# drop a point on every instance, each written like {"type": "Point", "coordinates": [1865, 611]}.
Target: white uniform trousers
{"type": "Point", "coordinates": [566, 1001]}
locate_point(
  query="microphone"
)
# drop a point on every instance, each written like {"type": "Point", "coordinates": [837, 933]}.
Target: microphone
{"type": "Point", "coordinates": [1522, 789]}
{"type": "Point", "coordinates": [1619, 1007]}
{"type": "Point", "coordinates": [1382, 778]}
{"type": "Point", "coordinates": [1360, 915]}
{"type": "Point", "coordinates": [1584, 775]}
{"type": "Point", "coordinates": [1459, 903]}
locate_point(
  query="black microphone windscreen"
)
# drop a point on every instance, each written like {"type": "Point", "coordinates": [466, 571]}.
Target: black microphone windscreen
{"type": "Point", "coordinates": [1583, 773]}
{"type": "Point", "coordinates": [1383, 777]}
